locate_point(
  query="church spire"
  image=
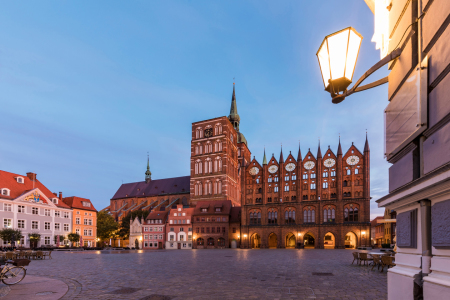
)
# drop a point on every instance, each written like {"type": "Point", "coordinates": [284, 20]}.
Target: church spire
{"type": "Point", "coordinates": [366, 145]}
{"type": "Point", "coordinates": [281, 156]}
{"type": "Point", "coordinates": [299, 155]}
{"type": "Point", "coordinates": [234, 116]}
{"type": "Point", "coordinates": [319, 153]}
{"type": "Point", "coordinates": [339, 152]}
{"type": "Point", "coordinates": [148, 174]}
{"type": "Point", "coordinates": [264, 158]}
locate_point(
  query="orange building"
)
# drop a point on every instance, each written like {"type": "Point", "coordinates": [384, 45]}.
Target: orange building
{"type": "Point", "coordinates": [84, 219]}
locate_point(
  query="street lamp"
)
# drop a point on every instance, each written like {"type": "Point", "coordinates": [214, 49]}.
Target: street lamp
{"type": "Point", "coordinates": [337, 57]}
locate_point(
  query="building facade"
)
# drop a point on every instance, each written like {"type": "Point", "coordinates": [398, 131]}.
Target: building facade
{"type": "Point", "coordinates": [26, 204]}
{"type": "Point", "coordinates": [179, 228]}
{"type": "Point", "coordinates": [316, 201]}
{"type": "Point", "coordinates": [154, 230]}
{"type": "Point", "coordinates": [135, 240]}
{"type": "Point", "coordinates": [416, 129]}
{"type": "Point", "coordinates": [84, 219]}
{"type": "Point", "coordinates": [377, 228]}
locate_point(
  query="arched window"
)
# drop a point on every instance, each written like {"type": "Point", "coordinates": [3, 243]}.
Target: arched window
{"type": "Point", "coordinates": [196, 189]}
{"type": "Point", "coordinates": [220, 187]}
{"type": "Point", "coordinates": [206, 167]}
{"type": "Point", "coordinates": [239, 152]}
{"type": "Point", "coordinates": [345, 183]}
{"type": "Point", "coordinates": [272, 217]}
{"type": "Point", "coordinates": [325, 215]}
{"type": "Point", "coordinates": [349, 172]}
{"type": "Point", "coordinates": [215, 187]}
{"type": "Point", "coordinates": [313, 216]}
{"type": "Point", "coordinates": [346, 215]}
{"type": "Point", "coordinates": [220, 146]}
{"type": "Point", "coordinates": [259, 218]}
{"type": "Point", "coordinates": [196, 167]}
{"type": "Point", "coordinates": [220, 165]}
{"type": "Point", "coordinates": [210, 166]}
{"type": "Point", "coordinates": [355, 215]}
{"type": "Point", "coordinates": [305, 216]}
{"type": "Point", "coordinates": [200, 242]}
{"type": "Point", "coordinates": [251, 218]}
{"type": "Point", "coordinates": [350, 215]}
{"type": "Point", "coordinates": [196, 150]}
{"type": "Point", "coordinates": [209, 187]}
{"type": "Point", "coordinates": [309, 216]}
{"type": "Point", "coordinates": [333, 215]}
{"type": "Point", "coordinates": [215, 165]}
{"type": "Point", "coordinates": [349, 194]}
{"type": "Point", "coordinates": [200, 149]}
{"type": "Point", "coordinates": [356, 171]}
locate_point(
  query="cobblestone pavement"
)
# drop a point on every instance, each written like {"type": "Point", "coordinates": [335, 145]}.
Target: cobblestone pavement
{"type": "Point", "coordinates": [213, 274]}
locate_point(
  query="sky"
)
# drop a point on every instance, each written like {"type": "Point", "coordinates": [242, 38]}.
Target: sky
{"type": "Point", "coordinates": [87, 88]}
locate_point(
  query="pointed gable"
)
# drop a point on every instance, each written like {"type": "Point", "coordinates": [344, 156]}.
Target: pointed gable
{"type": "Point", "coordinates": [290, 158]}
{"type": "Point", "coordinates": [352, 151]}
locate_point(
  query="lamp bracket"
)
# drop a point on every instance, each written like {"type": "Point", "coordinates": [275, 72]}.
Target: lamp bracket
{"type": "Point", "coordinates": [338, 98]}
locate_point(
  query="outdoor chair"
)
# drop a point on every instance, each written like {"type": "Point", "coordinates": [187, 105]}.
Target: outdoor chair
{"type": "Point", "coordinates": [39, 254]}
{"type": "Point", "coordinates": [376, 262]}
{"type": "Point", "coordinates": [386, 261]}
{"type": "Point", "coordinates": [10, 255]}
{"type": "Point", "coordinates": [355, 257]}
{"type": "Point", "coordinates": [48, 253]}
{"type": "Point", "coordinates": [363, 257]}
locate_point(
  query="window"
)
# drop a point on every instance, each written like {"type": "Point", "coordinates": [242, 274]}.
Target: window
{"type": "Point", "coordinates": [255, 218]}
{"type": "Point", "coordinates": [85, 232]}
{"type": "Point", "coordinates": [289, 217]}
{"type": "Point", "coordinates": [325, 185]}
{"type": "Point", "coordinates": [21, 209]}
{"type": "Point", "coordinates": [349, 172]}
{"type": "Point", "coordinates": [85, 221]}
{"type": "Point", "coordinates": [286, 178]}
{"type": "Point", "coordinates": [8, 207]}
{"type": "Point", "coordinates": [21, 224]}
{"type": "Point", "coordinates": [309, 216]}
{"type": "Point", "coordinates": [35, 210]}
{"type": "Point", "coordinates": [325, 174]}
{"type": "Point", "coordinates": [286, 188]}
{"type": "Point", "coordinates": [333, 173]}
{"type": "Point", "coordinates": [66, 227]}
{"type": "Point", "coordinates": [47, 225]}
{"type": "Point", "coordinates": [276, 179]}
{"type": "Point", "coordinates": [294, 177]}
{"type": "Point", "coordinates": [329, 215]}
{"type": "Point", "coordinates": [270, 179]}
{"type": "Point", "coordinates": [313, 175]}
{"type": "Point", "coordinates": [66, 215]}
{"type": "Point", "coordinates": [7, 223]}
{"type": "Point", "coordinates": [313, 186]}
{"type": "Point", "coordinates": [275, 189]}
{"type": "Point", "coordinates": [47, 240]}
{"type": "Point", "coordinates": [90, 232]}
{"type": "Point", "coordinates": [351, 214]}
{"type": "Point", "coordinates": [86, 204]}
{"type": "Point", "coordinates": [47, 212]}
{"type": "Point", "coordinates": [77, 221]}
{"type": "Point", "coordinates": [57, 226]}
{"type": "Point", "coordinates": [90, 222]}
{"type": "Point", "coordinates": [77, 230]}
{"type": "Point", "coordinates": [234, 229]}
{"type": "Point", "coordinates": [58, 213]}
{"type": "Point", "coordinates": [19, 179]}
{"type": "Point", "coordinates": [5, 192]}
{"type": "Point", "coordinates": [305, 176]}
{"type": "Point", "coordinates": [272, 217]}
{"type": "Point", "coordinates": [34, 225]}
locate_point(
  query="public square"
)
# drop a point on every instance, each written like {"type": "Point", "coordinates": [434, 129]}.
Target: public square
{"type": "Point", "coordinates": [212, 274]}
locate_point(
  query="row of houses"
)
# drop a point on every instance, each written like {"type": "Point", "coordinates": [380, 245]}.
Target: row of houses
{"type": "Point", "coordinates": [207, 225]}
{"type": "Point", "coordinates": [28, 205]}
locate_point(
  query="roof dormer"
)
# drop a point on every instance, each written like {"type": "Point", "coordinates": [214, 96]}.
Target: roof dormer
{"type": "Point", "coordinates": [5, 192]}
{"type": "Point", "coordinates": [20, 179]}
{"type": "Point", "coordinates": [55, 200]}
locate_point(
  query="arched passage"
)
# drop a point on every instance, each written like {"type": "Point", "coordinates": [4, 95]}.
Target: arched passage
{"type": "Point", "coordinates": [290, 240]}
{"type": "Point", "coordinates": [329, 241]}
{"type": "Point", "coordinates": [255, 241]}
{"type": "Point", "coordinates": [273, 240]}
{"type": "Point", "coordinates": [350, 240]}
{"type": "Point", "coordinates": [309, 240]}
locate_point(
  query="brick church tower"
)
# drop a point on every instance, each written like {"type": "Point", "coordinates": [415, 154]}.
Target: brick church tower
{"type": "Point", "coordinates": [217, 152]}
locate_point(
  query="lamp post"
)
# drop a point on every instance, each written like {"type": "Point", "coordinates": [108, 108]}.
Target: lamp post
{"type": "Point", "coordinates": [337, 57]}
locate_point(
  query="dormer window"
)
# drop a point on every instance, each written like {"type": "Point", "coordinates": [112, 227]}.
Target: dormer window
{"type": "Point", "coordinates": [204, 210]}
{"type": "Point", "coordinates": [218, 209]}
{"type": "Point", "coordinates": [86, 204]}
{"type": "Point", "coordinates": [5, 192]}
{"type": "Point", "coordinates": [55, 200]}
{"type": "Point", "coordinates": [20, 179]}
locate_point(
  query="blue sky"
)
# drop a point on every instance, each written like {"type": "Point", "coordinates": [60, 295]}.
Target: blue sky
{"type": "Point", "coordinates": [88, 87]}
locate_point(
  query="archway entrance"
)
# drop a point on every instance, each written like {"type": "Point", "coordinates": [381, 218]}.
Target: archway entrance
{"type": "Point", "coordinates": [329, 241]}
{"type": "Point", "coordinates": [350, 241]}
{"type": "Point", "coordinates": [255, 241]}
{"type": "Point", "coordinates": [136, 244]}
{"type": "Point", "coordinates": [273, 240]}
{"type": "Point", "coordinates": [290, 240]}
{"type": "Point", "coordinates": [233, 244]}
{"type": "Point", "coordinates": [309, 241]}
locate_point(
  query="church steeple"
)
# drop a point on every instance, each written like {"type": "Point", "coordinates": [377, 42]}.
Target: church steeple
{"type": "Point", "coordinates": [366, 145]}
{"type": "Point", "coordinates": [264, 158]}
{"type": "Point", "coordinates": [281, 156]}
{"type": "Point", "coordinates": [299, 155]}
{"type": "Point", "coordinates": [234, 116]}
{"type": "Point", "coordinates": [148, 174]}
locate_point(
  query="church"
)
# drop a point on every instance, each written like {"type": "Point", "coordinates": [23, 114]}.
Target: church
{"type": "Point", "coordinates": [311, 201]}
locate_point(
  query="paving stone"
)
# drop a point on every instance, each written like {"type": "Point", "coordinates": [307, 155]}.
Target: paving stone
{"type": "Point", "coordinates": [209, 274]}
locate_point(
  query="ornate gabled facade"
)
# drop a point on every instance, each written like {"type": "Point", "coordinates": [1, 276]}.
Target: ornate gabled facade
{"type": "Point", "coordinates": [313, 201]}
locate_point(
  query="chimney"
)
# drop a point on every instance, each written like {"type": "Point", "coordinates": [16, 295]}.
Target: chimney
{"type": "Point", "coordinates": [31, 176]}
{"type": "Point", "coordinates": [56, 194]}
{"type": "Point", "coordinates": [60, 196]}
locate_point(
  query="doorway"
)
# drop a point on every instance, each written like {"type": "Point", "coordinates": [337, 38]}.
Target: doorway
{"type": "Point", "coordinates": [350, 241]}
{"type": "Point", "coordinates": [256, 241]}
{"type": "Point", "coordinates": [329, 241]}
{"type": "Point", "coordinates": [309, 241]}
{"type": "Point", "coordinates": [290, 241]}
{"type": "Point", "coordinates": [273, 240]}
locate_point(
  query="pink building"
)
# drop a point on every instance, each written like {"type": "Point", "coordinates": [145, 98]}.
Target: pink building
{"type": "Point", "coordinates": [179, 228]}
{"type": "Point", "coordinates": [154, 230]}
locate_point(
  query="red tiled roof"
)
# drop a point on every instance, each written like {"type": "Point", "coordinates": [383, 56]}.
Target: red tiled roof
{"type": "Point", "coordinates": [374, 222]}
{"type": "Point", "coordinates": [8, 180]}
{"type": "Point", "coordinates": [157, 215]}
{"type": "Point", "coordinates": [76, 202]}
{"type": "Point", "coordinates": [225, 204]}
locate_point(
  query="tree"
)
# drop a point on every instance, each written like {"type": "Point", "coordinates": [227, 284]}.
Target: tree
{"type": "Point", "coordinates": [61, 239]}
{"type": "Point", "coordinates": [124, 231]}
{"type": "Point", "coordinates": [10, 235]}
{"type": "Point", "coordinates": [73, 237]}
{"type": "Point", "coordinates": [35, 237]}
{"type": "Point", "coordinates": [106, 226]}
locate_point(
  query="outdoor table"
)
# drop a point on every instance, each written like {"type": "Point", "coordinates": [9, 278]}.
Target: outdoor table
{"type": "Point", "coordinates": [378, 253]}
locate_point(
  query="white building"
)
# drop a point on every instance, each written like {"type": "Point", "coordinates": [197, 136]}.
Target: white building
{"type": "Point", "coordinates": [26, 204]}
{"type": "Point", "coordinates": [135, 233]}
